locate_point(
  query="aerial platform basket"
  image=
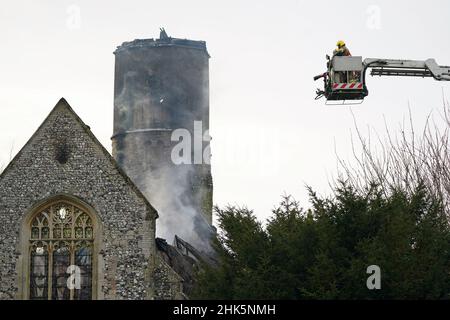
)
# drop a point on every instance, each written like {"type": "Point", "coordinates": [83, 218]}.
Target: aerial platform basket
{"type": "Point", "coordinates": [345, 79]}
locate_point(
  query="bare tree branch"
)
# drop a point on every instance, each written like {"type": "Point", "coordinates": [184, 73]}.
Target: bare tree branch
{"type": "Point", "coordinates": [402, 161]}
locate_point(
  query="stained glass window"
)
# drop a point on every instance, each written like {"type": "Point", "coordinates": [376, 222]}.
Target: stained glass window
{"type": "Point", "coordinates": [39, 273]}
{"type": "Point", "coordinates": [61, 261]}
{"type": "Point", "coordinates": [61, 246]}
{"type": "Point", "coordinates": [83, 259]}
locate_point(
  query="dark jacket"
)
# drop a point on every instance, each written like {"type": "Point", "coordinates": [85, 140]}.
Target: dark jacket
{"type": "Point", "coordinates": [343, 51]}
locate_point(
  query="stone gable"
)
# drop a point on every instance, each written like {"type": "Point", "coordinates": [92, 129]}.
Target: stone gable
{"type": "Point", "coordinates": [64, 159]}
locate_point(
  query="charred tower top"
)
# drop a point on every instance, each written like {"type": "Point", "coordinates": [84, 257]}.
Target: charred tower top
{"type": "Point", "coordinates": [162, 85]}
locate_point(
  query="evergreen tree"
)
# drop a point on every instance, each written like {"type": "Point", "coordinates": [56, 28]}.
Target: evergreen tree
{"type": "Point", "coordinates": [324, 252]}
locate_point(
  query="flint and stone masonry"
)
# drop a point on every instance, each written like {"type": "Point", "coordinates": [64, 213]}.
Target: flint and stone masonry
{"type": "Point", "coordinates": [63, 161]}
{"type": "Point", "coordinates": [162, 85]}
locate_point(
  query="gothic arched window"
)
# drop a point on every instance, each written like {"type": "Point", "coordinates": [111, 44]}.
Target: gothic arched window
{"type": "Point", "coordinates": [61, 252]}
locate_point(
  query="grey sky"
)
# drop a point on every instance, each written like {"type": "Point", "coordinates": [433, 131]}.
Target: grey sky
{"type": "Point", "coordinates": [269, 135]}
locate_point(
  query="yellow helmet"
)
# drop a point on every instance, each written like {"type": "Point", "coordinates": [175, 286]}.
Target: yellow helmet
{"type": "Point", "coordinates": [340, 43]}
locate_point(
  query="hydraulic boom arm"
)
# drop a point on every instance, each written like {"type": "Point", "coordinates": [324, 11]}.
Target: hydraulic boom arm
{"type": "Point", "coordinates": [345, 79]}
{"type": "Point", "coordinates": [407, 68]}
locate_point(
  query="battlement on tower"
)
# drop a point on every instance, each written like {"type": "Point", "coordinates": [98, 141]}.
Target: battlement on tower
{"type": "Point", "coordinates": [164, 42]}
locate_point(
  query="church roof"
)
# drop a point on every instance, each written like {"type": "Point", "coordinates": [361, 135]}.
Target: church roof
{"type": "Point", "coordinates": [63, 105]}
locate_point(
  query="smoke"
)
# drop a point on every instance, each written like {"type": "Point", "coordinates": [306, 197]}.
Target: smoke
{"type": "Point", "coordinates": [152, 98]}
{"type": "Point", "coordinates": [172, 194]}
{"type": "Point", "coordinates": [176, 191]}
{"type": "Point", "coordinates": [129, 101]}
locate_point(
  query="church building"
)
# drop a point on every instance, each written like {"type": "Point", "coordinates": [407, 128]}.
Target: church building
{"type": "Point", "coordinates": [65, 202]}
{"type": "Point", "coordinates": [76, 223]}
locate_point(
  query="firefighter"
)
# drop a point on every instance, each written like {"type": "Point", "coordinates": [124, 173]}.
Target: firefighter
{"type": "Point", "coordinates": [341, 50]}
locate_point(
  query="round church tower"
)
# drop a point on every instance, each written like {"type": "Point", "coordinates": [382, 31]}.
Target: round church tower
{"type": "Point", "coordinates": [162, 85]}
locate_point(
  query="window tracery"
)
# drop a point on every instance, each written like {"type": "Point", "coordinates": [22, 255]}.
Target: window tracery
{"type": "Point", "coordinates": [62, 236]}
